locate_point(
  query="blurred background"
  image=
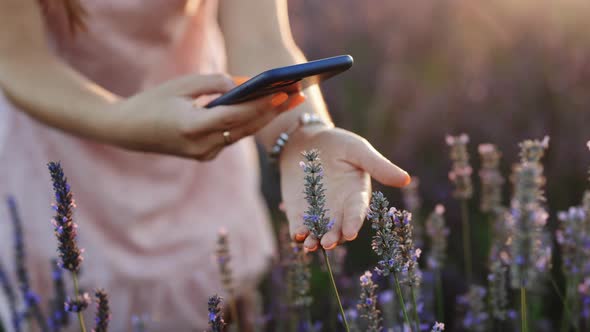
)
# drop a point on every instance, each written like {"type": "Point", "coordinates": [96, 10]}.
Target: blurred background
{"type": "Point", "coordinates": [500, 71]}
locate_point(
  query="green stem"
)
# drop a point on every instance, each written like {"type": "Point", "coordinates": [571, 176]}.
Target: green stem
{"type": "Point", "coordinates": [400, 296]}
{"type": "Point", "coordinates": [76, 293]}
{"type": "Point", "coordinates": [440, 311]}
{"type": "Point", "coordinates": [523, 310]}
{"type": "Point", "coordinates": [566, 307]}
{"type": "Point", "coordinates": [335, 289]}
{"type": "Point", "coordinates": [416, 317]}
{"type": "Point", "coordinates": [466, 239]}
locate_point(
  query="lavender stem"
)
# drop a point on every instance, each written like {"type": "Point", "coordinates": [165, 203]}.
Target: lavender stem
{"type": "Point", "coordinates": [466, 240]}
{"type": "Point", "coordinates": [327, 260]}
{"type": "Point", "coordinates": [400, 296]}
{"type": "Point", "coordinates": [77, 292]}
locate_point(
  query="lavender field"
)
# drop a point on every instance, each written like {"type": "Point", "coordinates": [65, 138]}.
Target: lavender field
{"type": "Point", "coordinates": [487, 105]}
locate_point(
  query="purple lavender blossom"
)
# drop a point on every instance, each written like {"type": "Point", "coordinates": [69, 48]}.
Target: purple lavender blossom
{"type": "Point", "coordinates": [461, 170]}
{"type": "Point", "coordinates": [367, 306]}
{"type": "Point", "coordinates": [413, 203]}
{"type": "Point", "coordinates": [63, 223]}
{"type": "Point", "coordinates": [223, 258]}
{"type": "Point", "coordinates": [31, 299]}
{"type": "Point", "coordinates": [315, 217]}
{"type": "Point", "coordinates": [490, 177]}
{"type": "Point", "coordinates": [59, 317]}
{"type": "Point", "coordinates": [571, 237]}
{"type": "Point", "coordinates": [438, 327]}
{"type": "Point", "coordinates": [8, 289]}
{"type": "Point", "coordinates": [475, 317]}
{"type": "Point", "coordinates": [498, 290]}
{"type": "Point", "coordinates": [215, 318]}
{"type": "Point", "coordinates": [78, 304]}
{"type": "Point", "coordinates": [437, 232]}
{"type": "Point", "coordinates": [529, 249]}
{"type": "Point", "coordinates": [103, 314]}
{"type": "Point", "coordinates": [392, 241]}
{"type": "Point", "coordinates": [298, 277]}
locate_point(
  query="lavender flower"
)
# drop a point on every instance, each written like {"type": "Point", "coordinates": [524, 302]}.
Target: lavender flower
{"type": "Point", "coordinates": [103, 314]}
{"type": "Point", "coordinates": [490, 177]}
{"type": "Point", "coordinates": [298, 276]}
{"type": "Point", "coordinates": [438, 327]}
{"type": "Point", "coordinates": [413, 203]}
{"type": "Point", "coordinates": [216, 322]}
{"type": "Point", "coordinates": [461, 170]}
{"type": "Point", "coordinates": [528, 217]}
{"type": "Point", "coordinates": [64, 226]}
{"type": "Point", "coordinates": [404, 254]}
{"type": "Point", "coordinates": [501, 233]}
{"type": "Point", "coordinates": [531, 151]}
{"type": "Point", "coordinates": [31, 299]}
{"type": "Point", "coordinates": [367, 306]}
{"type": "Point", "coordinates": [10, 297]}
{"type": "Point", "coordinates": [392, 241]}
{"type": "Point", "coordinates": [571, 237]}
{"type": "Point", "coordinates": [584, 292]}
{"type": "Point", "coordinates": [59, 317]}
{"type": "Point", "coordinates": [497, 286]}
{"type": "Point", "coordinates": [315, 217]}
{"type": "Point", "coordinates": [473, 304]}
{"type": "Point", "coordinates": [437, 232]}
{"type": "Point", "coordinates": [78, 304]}
{"type": "Point", "coordinates": [223, 262]}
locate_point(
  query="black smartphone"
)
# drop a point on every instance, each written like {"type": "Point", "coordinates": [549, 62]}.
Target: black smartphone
{"type": "Point", "coordinates": [290, 79]}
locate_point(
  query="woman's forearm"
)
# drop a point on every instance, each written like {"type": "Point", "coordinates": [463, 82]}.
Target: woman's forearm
{"type": "Point", "coordinates": [53, 93]}
{"type": "Point", "coordinates": [258, 38]}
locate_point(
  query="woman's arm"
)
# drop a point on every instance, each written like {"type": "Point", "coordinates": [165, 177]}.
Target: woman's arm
{"type": "Point", "coordinates": [162, 120]}
{"type": "Point", "coordinates": [39, 83]}
{"type": "Point", "coordinates": [258, 37]}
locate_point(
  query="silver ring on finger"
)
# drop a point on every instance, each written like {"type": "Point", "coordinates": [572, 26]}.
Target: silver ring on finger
{"type": "Point", "coordinates": [227, 137]}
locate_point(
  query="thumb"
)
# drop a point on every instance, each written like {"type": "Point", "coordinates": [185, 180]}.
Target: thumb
{"type": "Point", "coordinates": [197, 85]}
{"type": "Point", "coordinates": [363, 155]}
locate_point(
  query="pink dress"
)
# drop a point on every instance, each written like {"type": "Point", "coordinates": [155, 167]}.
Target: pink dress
{"type": "Point", "coordinates": [148, 222]}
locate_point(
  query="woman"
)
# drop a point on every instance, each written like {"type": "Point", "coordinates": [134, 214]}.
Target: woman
{"type": "Point", "coordinates": [115, 103]}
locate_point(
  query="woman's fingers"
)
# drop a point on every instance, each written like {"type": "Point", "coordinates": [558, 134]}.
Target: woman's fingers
{"type": "Point", "coordinates": [232, 116]}
{"type": "Point", "coordinates": [332, 237]}
{"type": "Point", "coordinates": [297, 229]}
{"type": "Point", "coordinates": [311, 243]}
{"type": "Point", "coordinates": [363, 155]}
{"type": "Point", "coordinates": [249, 127]}
{"type": "Point", "coordinates": [254, 125]}
{"type": "Point", "coordinates": [196, 85]}
{"type": "Point", "coordinates": [354, 211]}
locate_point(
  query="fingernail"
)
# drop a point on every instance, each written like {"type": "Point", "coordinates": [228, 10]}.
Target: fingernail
{"type": "Point", "coordinates": [408, 180]}
{"type": "Point", "coordinates": [300, 237]}
{"type": "Point", "coordinates": [332, 246]}
{"type": "Point", "coordinates": [352, 237]}
{"type": "Point", "coordinates": [314, 248]}
{"type": "Point", "coordinates": [238, 80]}
{"type": "Point", "coordinates": [296, 100]}
{"type": "Point", "coordinates": [278, 99]}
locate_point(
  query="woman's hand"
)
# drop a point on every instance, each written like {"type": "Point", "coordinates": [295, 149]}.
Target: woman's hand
{"type": "Point", "coordinates": [166, 119]}
{"type": "Point", "coordinates": [348, 160]}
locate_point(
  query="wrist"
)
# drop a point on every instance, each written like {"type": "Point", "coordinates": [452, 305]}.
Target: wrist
{"type": "Point", "coordinates": [307, 124]}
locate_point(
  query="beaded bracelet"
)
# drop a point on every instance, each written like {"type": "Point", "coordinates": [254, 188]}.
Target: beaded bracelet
{"type": "Point", "coordinates": [306, 119]}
